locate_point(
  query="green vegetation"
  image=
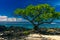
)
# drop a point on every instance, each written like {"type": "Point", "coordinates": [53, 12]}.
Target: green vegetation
{"type": "Point", "coordinates": [26, 32]}
{"type": "Point", "coordinates": [38, 14]}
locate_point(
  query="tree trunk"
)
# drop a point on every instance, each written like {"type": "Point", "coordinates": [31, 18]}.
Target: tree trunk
{"type": "Point", "coordinates": [36, 29]}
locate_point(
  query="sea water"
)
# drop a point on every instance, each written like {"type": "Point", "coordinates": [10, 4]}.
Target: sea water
{"type": "Point", "coordinates": [29, 25]}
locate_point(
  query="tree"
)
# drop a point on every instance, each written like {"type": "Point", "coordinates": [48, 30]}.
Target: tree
{"type": "Point", "coordinates": [39, 14]}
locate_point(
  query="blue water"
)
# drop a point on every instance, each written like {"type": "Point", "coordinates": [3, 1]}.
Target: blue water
{"type": "Point", "coordinates": [28, 25]}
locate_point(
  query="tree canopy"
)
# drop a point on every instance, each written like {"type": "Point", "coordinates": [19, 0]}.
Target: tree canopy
{"type": "Point", "coordinates": [38, 14]}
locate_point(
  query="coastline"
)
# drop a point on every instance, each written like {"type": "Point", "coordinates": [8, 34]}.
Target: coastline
{"type": "Point", "coordinates": [55, 37]}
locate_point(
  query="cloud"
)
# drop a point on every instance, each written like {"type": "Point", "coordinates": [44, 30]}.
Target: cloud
{"type": "Point", "coordinates": [11, 19]}
{"type": "Point", "coordinates": [21, 20]}
{"type": "Point", "coordinates": [3, 18]}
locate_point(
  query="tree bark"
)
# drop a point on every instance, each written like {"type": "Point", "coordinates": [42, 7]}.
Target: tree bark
{"type": "Point", "coordinates": [35, 27]}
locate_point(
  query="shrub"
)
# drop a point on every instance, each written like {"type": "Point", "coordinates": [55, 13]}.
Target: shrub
{"type": "Point", "coordinates": [26, 32]}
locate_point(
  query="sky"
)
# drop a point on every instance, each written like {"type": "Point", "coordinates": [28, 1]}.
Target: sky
{"type": "Point", "coordinates": [7, 7]}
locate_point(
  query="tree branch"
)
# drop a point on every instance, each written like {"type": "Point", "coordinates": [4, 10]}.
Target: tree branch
{"type": "Point", "coordinates": [41, 22]}
{"type": "Point", "coordinates": [50, 21]}
{"type": "Point", "coordinates": [25, 17]}
{"type": "Point", "coordinates": [37, 16]}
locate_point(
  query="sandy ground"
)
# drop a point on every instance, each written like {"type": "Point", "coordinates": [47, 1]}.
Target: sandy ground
{"type": "Point", "coordinates": [42, 37]}
{"type": "Point", "coordinates": [54, 37]}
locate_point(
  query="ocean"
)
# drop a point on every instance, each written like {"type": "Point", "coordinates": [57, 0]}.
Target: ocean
{"type": "Point", "coordinates": [29, 25]}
